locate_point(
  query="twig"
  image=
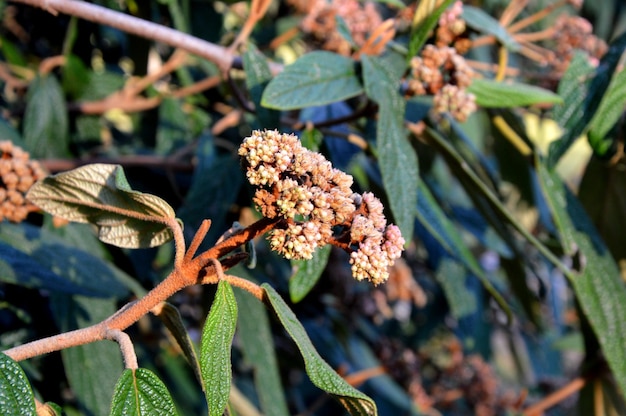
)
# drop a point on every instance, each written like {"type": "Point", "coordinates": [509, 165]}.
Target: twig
{"type": "Point", "coordinates": [556, 397]}
{"type": "Point", "coordinates": [126, 347]}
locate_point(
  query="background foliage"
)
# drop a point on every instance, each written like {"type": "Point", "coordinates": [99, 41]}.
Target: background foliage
{"type": "Point", "coordinates": [511, 286]}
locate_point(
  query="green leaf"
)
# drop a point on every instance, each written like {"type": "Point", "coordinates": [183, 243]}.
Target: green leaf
{"type": "Point", "coordinates": [99, 194]}
{"type": "Point", "coordinates": [396, 157]}
{"type": "Point", "coordinates": [320, 373]}
{"type": "Point", "coordinates": [479, 20]}
{"type": "Point", "coordinates": [141, 393]}
{"type": "Point", "coordinates": [595, 278]}
{"type": "Point", "coordinates": [258, 76]}
{"type": "Point", "coordinates": [16, 396]}
{"type": "Point", "coordinates": [75, 76]}
{"type": "Point", "coordinates": [45, 119]}
{"type": "Point", "coordinates": [258, 348]}
{"type": "Point", "coordinates": [217, 337]}
{"type": "Point", "coordinates": [92, 369]}
{"type": "Point", "coordinates": [317, 78]}
{"type": "Point", "coordinates": [610, 111]}
{"type": "Point", "coordinates": [490, 93]}
{"type": "Point", "coordinates": [7, 132]}
{"type": "Point", "coordinates": [170, 316]}
{"type": "Point", "coordinates": [451, 275]}
{"type": "Point", "coordinates": [421, 33]}
{"type": "Point", "coordinates": [173, 127]}
{"type": "Point", "coordinates": [573, 89]}
{"type": "Point", "coordinates": [307, 273]}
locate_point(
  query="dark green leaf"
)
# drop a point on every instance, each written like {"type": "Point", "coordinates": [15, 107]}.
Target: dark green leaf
{"type": "Point", "coordinates": [610, 110]}
{"type": "Point", "coordinates": [10, 53]}
{"type": "Point", "coordinates": [307, 273]}
{"type": "Point", "coordinates": [343, 29]}
{"type": "Point", "coordinates": [451, 275]}
{"type": "Point", "coordinates": [75, 76]}
{"type": "Point", "coordinates": [421, 33]}
{"type": "Point", "coordinates": [573, 89]}
{"type": "Point", "coordinates": [317, 78]}
{"type": "Point", "coordinates": [99, 194]}
{"type": "Point", "coordinates": [7, 132]}
{"type": "Point", "coordinates": [45, 119]}
{"type": "Point", "coordinates": [596, 279]}
{"type": "Point", "coordinates": [490, 93]}
{"type": "Point", "coordinates": [16, 396]}
{"type": "Point", "coordinates": [258, 76]}
{"type": "Point", "coordinates": [92, 369]}
{"type": "Point", "coordinates": [173, 127]}
{"type": "Point", "coordinates": [259, 351]}
{"type": "Point", "coordinates": [217, 338]}
{"type": "Point", "coordinates": [141, 393]}
{"type": "Point", "coordinates": [396, 157]}
{"type": "Point", "coordinates": [311, 139]}
{"type": "Point", "coordinates": [320, 373]}
{"type": "Point", "coordinates": [479, 20]}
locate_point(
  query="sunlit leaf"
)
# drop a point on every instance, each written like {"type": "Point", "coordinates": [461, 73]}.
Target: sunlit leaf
{"type": "Point", "coordinates": [99, 194]}
{"type": "Point", "coordinates": [307, 273]}
{"type": "Point", "coordinates": [141, 393]}
{"type": "Point", "coordinates": [16, 396]}
{"type": "Point", "coordinates": [490, 93]}
{"type": "Point", "coordinates": [610, 111]}
{"type": "Point", "coordinates": [320, 373]}
{"type": "Point", "coordinates": [217, 337]}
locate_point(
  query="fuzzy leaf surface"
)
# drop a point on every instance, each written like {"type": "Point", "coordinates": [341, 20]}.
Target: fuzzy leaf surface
{"type": "Point", "coordinates": [490, 93]}
{"type": "Point", "coordinates": [141, 393]}
{"type": "Point", "coordinates": [320, 373]}
{"type": "Point", "coordinates": [100, 194]}
{"type": "Point", "coordinates": [16, 396]}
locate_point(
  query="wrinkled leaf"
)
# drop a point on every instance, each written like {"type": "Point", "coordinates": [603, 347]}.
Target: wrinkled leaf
{"type": "Point", "coordinates": [16, 396]}
{"type": "Point", "coordinates": [479, 20]}
{"type": "Point", "coordinates": [396, 157]}
{"type": "Point", "coordinates": [307, 273]}
{"type": "Point", "coordinates": [317, 78]}
{"type": "Point", "coordinates": [490, 93]}
{"type": "Point", "coordinates": [259, 351]}
{"type": "Point", "coordinates": [217, 337]}
{"type": "Point", "coordinates": [45, 119]}
{"type": "Point", "coordinates": [610, 111]}
{"type": "Point", "coordinates": [100, 194]}
{"type": "Point", "coordinates": [573, 88]}
{"type": "Point", "coordinates": [421, 32]}
{"type": "Point", "coordinates": [320, 373]}
{"type": "Point", "coordinates": [258, 76]}
{"type": "Point", "coordinates": [595, 277]}
{"type": "Point", "coordinates": [141, 393]}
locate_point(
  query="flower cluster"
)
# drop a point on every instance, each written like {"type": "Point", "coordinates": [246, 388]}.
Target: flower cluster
{"type": "Point", "coordinates": [574, 33]}
{"type": "Point", "coordinates": [17, 175]}
{"type": "Point", "coordinates": [451, 28]}
{"type": "Point", "coordinates": [317, 205]}
{"type": "Point", "coordinates": [319, 22]}
{"type": "Point", "coordinates": [445, 74]}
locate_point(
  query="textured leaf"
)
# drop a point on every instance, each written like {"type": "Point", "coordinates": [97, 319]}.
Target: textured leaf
{"type": "Point", "coordinates": [259, 351]}
{"type": "Point", "coordinates": [16, 396]}
{"type": "Point", "coordinates": [258, 76]}
{"type": "Point", "coordinates": [479, 20]}
{"type": "Point", "coordinates": [100, 194]}
{"type": "Point", "coordinates": [596, 279]}
{"type": "Point", "coordinates": [421, 33]}
{"type": "Point", "coordinates": [451, 275]}
{"type": "Point", "coordinates": [45, 119]}
{"type": "Point", "coordinates": [141, 393]}
{"type": "Point", "coordinates": [317, 78]}
{"type": "Point", "coordinates": [573, 88]}
{"type": "Point", "coordinates": [610, 111]}
{"type": "Point", "coordinates": [490, 93]}
{"type": "Point", "coordinates": [320, 373]}
{"type": "Point", "coordinates": [307, 273]}
{"type": "Point", "coordinates": [396, 157]}
{"type": "Point", "coordinates": [217, 337]}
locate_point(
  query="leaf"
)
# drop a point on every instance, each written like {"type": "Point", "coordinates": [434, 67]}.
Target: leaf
{"type": "Point", "coordinates": [317, 78]}
{"type": "Point", "coordinates": [91, 369]}
{"type": "Point", "coordinates": [100, 194]}
{"type": "Point", "coordinates": [217, 337]}
{"type": "Point", "coordinates": [170, 316]}
{"type": "Point", "coordinates": [258, 76]}
{"type": "Point", "coordinates": [7, 132]}
{"type": "Point", "coordinates": [141, 393]}
{"type": "Point", "coordinates": [259, 351]}
{"type": "Point", "coordinates": [610, 111]}
{"type": "Point", "coordinates": [479, 20]}
{"type": "Point", "coordinates": [45, 119]}
{"type": "Point", "coordinates": [320, 373]}
{"type": "Point", "coordinates": [573, 88]}
{"type": "Point", "coordinates": [16, 396]}
{"type": "Point", "coordinates": [597, 88]}
{"type": "Point", "coordinates": [596, 279]}
{"type": "Point", "coordinates": [397, 159]}
{"type": "Point", "coordinates": [490, 93]}
{"type": "Point", "coordinates": [173, 127]}
{"type": "Point", "coordinates": [451, 275]}
{"type": "Point", "coordinates": [307, 273]}
{"type": "Point", "coordinates": [421, 32]}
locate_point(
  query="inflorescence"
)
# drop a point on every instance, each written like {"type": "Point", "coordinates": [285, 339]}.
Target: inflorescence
{"type": "Point", "coordinates": [317, 205]}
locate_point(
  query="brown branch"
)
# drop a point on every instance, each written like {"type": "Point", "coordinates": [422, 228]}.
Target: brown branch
{"type": "Point", "coordinates": [556, 397]}
{"type": "Point", "coordinates": [126, 347]}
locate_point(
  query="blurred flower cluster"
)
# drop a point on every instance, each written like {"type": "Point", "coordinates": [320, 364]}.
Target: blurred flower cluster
{"type": "Point", "coordinates": [17, 172]}
{"type": "Point", "coordinates": [317, 205]}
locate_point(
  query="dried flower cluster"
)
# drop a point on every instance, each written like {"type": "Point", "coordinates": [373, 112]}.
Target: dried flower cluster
{"type": "Point", "coordinates": [445, 74]}
{"type": "Point", "coordinates": [18, 173]}
{"type": "Point", "coordinates": [573, 33]}
{"type": "Point", "coordinates": [319, 22]}
{"type": "Point", "coordinates": [451, 29]}
{"type": "Point", "coordinates": [317, 205]}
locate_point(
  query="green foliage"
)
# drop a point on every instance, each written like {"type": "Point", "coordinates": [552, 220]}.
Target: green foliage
{"type": "Point", "coordinates": [492, 94]}
{"type": "Point", "coordinates": [140, 393]}
{"type": "Point", "coordinates": [16, 396]}
{"type": "Point", "coordinates": [307, 273]}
